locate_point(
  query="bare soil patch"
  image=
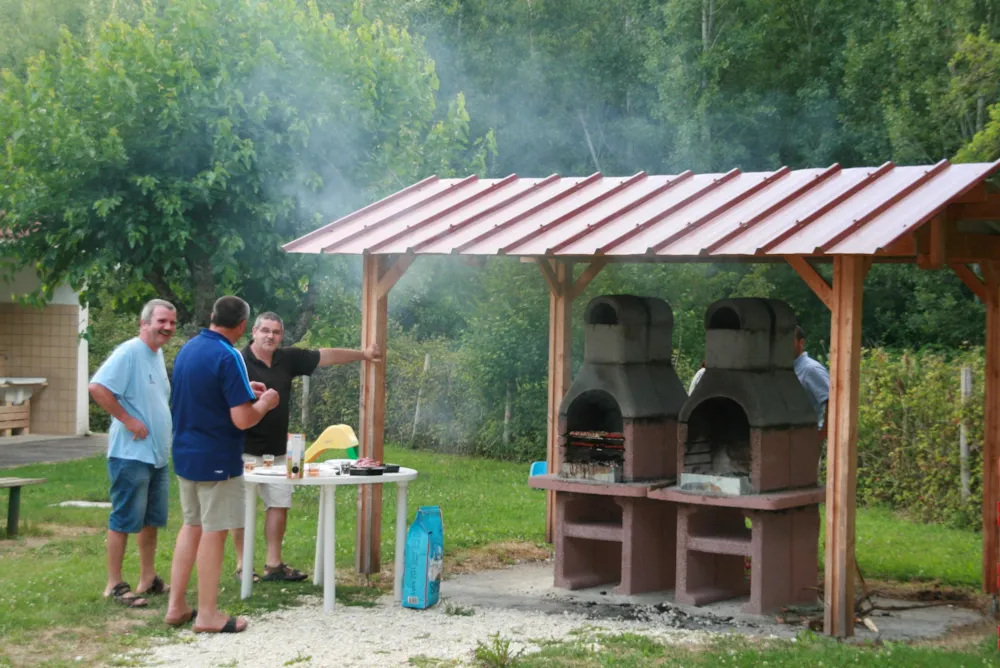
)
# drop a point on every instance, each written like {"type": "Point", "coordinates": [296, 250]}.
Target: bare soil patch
{"type": "Point", "coordinates": [50, 532]}
{"type": "Point", "coordinates": [83, 646]}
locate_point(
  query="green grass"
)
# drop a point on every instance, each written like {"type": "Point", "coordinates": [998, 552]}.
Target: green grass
{"type": "Point", "coordinates": [50, 593]}
{"type": "Point", "coordinates": [807, 651]}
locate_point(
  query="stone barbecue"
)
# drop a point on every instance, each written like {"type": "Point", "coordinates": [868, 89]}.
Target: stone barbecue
{"type": "Point", "coordinates": [654, 489]}
{"type": "Point", "coordinates": [618, 427]}
{"type": "Point", "coordinates": [748, 450]}
{"type": "Point", "coordinates": [618, 420]}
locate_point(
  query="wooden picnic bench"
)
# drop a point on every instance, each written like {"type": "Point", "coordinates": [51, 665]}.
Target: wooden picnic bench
{"type": "Point", "coordinates": [14, 505]}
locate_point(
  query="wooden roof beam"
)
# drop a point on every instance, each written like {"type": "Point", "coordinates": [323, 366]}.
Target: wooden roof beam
{"type": "Point", "coordinates": [971, 280]}
{"type": "Point", "coordinates": [813, 278]}
{"type": "Point", "coordinates": [986, 209]}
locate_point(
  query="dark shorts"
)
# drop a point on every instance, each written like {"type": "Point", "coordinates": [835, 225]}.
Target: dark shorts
{"type": "Point", "coordinates": [140, 493]}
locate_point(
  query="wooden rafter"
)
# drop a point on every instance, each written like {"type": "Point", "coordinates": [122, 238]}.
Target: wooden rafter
{"type": "Point", "coordinates": [584, 279]}
{"type": "Point", "coordinates": [813, 279]}
{"type": "Point", "coordinates": [970, 279]}
{"type": "Point", "coordinates": [938, 242]}
{"type": "Point", "coordinates": [550, 276]}
{"type": "Point", "coordinates": [986, 209]}
{"type": "Point", "coordinates": [394, 273]}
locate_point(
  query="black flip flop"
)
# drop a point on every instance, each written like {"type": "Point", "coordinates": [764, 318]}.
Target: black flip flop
{"type": "Point", "coordinates": [230, 627]}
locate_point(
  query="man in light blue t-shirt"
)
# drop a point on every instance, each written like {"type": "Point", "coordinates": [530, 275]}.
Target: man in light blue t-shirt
{"type": "Point", "coordinates": [813, 376]}
{"type": "Point", "coordinates": [132, 386]}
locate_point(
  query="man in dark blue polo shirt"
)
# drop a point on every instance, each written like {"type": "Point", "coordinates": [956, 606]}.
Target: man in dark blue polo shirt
{"type": "Point", "coordinates": [212, 403]}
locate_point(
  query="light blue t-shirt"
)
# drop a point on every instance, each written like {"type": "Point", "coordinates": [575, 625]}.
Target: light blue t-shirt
{"type": "Point", "coordinates": [138, 378]}
{"type": "Point", "coordinates": [816, 381]}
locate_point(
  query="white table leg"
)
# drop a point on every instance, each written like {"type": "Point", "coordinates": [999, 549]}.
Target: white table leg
{"type": "Point", "coordinates": [318, 561]}
{"type": "Point", "coordinates": [249, 536]}
{"type": "Point", "coordinates": [329, 546]}
{"type": "Point", "coordinates": [397, 587]}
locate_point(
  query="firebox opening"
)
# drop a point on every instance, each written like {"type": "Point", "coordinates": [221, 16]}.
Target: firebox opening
{"type": "Point", "coordinates": [717, 451]}
{"type": "Point", "coordinates": [596, 411]}
{"type": "Point", "coordinates": [602, 314]}
{"type": "Point", "coordinates": [724, 318]}
{"type": "Point", "coordinates": [595, 444]}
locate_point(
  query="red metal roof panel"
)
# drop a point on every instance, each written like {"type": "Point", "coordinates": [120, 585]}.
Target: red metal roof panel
{"type": "Point", "coordinates": [827, 210]}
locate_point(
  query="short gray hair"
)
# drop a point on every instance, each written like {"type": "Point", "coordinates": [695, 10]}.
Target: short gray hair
{"type": "Point", "coordinates": [228, 312]}
{"type": "Point", "coordinates": [151, 305]}
{"type": "Point", "coordinates": [269, 315]}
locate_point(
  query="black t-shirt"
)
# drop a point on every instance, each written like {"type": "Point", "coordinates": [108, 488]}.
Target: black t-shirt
{"type": "Point", "coordinates": [270, 435]}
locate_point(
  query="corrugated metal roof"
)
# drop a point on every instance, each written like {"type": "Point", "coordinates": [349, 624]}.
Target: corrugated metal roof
{"type": "Point", "coordinates": [786, 212]}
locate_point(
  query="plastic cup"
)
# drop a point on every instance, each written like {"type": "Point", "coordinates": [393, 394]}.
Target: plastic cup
{"type": "Point", "coordinates": [268, 461]}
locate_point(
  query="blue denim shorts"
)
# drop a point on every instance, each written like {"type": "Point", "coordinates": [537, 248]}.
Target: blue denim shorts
{"type": "Point", "coordinates": [140, 493]}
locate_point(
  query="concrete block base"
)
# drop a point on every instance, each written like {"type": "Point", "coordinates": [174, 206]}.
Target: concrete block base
{"type": "Point", "coordinates": [622, 540]}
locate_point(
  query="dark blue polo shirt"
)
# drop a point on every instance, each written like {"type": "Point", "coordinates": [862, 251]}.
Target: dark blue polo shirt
{"type": "Point", "coordinates": [210, 377]}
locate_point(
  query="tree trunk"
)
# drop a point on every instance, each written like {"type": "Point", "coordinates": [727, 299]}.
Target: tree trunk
{"type": "Point", "coordinates": [203, 285]}
{"type": "Point", "coordinates": [507, 412]}
{"type": "Point", "coordinates": [304, 315]}
{"type": "Point", "coordinates": [420, 396]}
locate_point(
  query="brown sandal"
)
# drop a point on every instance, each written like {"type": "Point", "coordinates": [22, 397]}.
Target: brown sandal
{"type": "Point", "coordinates": [122, 594]}
{"type": "Point", "coordinates": [158, 587]}
{"type": "Point", "coordinates": [283, 572]}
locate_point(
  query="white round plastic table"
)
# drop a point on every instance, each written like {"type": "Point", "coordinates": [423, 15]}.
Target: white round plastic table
{"type": "Point", "coordinates": [323, 568]}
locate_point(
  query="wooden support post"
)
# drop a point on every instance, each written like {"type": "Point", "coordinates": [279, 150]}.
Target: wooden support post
{"type": "Point", "coordinates": [991, 437]}
{"type": "Point", "coordinates": [560, 368]}
{"type": "Point", "coordinates": [841, 448]}
{"type": "Point", "coordinates": [374, 318]}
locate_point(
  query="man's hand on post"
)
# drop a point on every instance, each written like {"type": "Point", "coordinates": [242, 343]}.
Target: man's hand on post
{"type": "Point", "coordinates": [373, 354]}
{"type": "Point", "coordinates": [136, 427]}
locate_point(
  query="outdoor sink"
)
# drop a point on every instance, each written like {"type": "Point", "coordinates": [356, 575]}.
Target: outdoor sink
{"type": "Point", "coordinates": [18, 390]}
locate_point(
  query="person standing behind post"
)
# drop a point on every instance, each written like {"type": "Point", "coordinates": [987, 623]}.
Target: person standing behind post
{"type": "Point", "coordinates": [132, 386]}
{"type": "Point", "coordinates": [213, 401]}
{"type": "Point", "coordinates": [267, 362]}
{"type": "Point", "coordinates": [813, 376]}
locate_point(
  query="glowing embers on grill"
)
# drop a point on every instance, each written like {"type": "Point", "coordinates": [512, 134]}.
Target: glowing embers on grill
{"type": "Point", "coordinates": [594, 455]}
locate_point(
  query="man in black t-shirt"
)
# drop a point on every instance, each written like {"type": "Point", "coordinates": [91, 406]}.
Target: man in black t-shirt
{"type": "Point", "coordinates": [269, 363]}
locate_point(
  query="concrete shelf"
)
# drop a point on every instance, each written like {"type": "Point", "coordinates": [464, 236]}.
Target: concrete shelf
{"type": "Point", "coordinates": [721, 544]}
{"type": "Point", "coordinates": [794, 498]}
{"type": "Point", "coordinates": [633, 489]}
{"type": "Point", "coordinates": [607, 531]}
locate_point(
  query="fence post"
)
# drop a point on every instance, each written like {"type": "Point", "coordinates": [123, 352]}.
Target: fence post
{"type": "Point", "coordinates": [963, 436]}
{"type": "Point", "coordinates": [305, 403]}
{"type": "Point", "coordinates": [420, 394]}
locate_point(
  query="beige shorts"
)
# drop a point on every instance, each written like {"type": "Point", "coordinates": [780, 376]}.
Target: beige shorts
{"type": "Point", "coordinates": [214, 506]}
{"type": "Point", "coordinates": [274, 496]}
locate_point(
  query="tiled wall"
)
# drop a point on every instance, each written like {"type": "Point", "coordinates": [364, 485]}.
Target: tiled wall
{"type": "Point", "coordinates": [45, 342]}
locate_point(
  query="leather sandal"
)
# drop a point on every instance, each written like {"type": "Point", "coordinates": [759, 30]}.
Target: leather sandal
{"type": "Point", "coordinates": [122, 594]}
{"type": "Point", "coordinates": [284, 573]}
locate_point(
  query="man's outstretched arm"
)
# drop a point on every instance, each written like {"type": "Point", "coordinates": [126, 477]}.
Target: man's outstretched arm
{"type": "Point", "coordinates": [332, 356]}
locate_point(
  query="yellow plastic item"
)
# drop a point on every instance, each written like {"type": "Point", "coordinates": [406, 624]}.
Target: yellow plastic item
{"type": "Point", "coordinates": [334, 437]}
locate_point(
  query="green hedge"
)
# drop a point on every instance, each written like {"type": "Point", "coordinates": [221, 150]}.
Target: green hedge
{"type": "Point", "coordinates": [910, 412]}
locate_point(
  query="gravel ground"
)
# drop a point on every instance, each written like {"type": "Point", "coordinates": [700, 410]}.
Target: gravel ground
{"type": "Point", "coordinates": [386, 635]}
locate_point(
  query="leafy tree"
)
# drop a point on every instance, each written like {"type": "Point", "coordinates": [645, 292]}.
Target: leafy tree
{"type": "Point", "coordinates": [181, 150]}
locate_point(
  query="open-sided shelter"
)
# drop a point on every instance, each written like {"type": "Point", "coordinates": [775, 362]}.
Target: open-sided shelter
{"type": "Point", "coordinates": [935, 216]}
